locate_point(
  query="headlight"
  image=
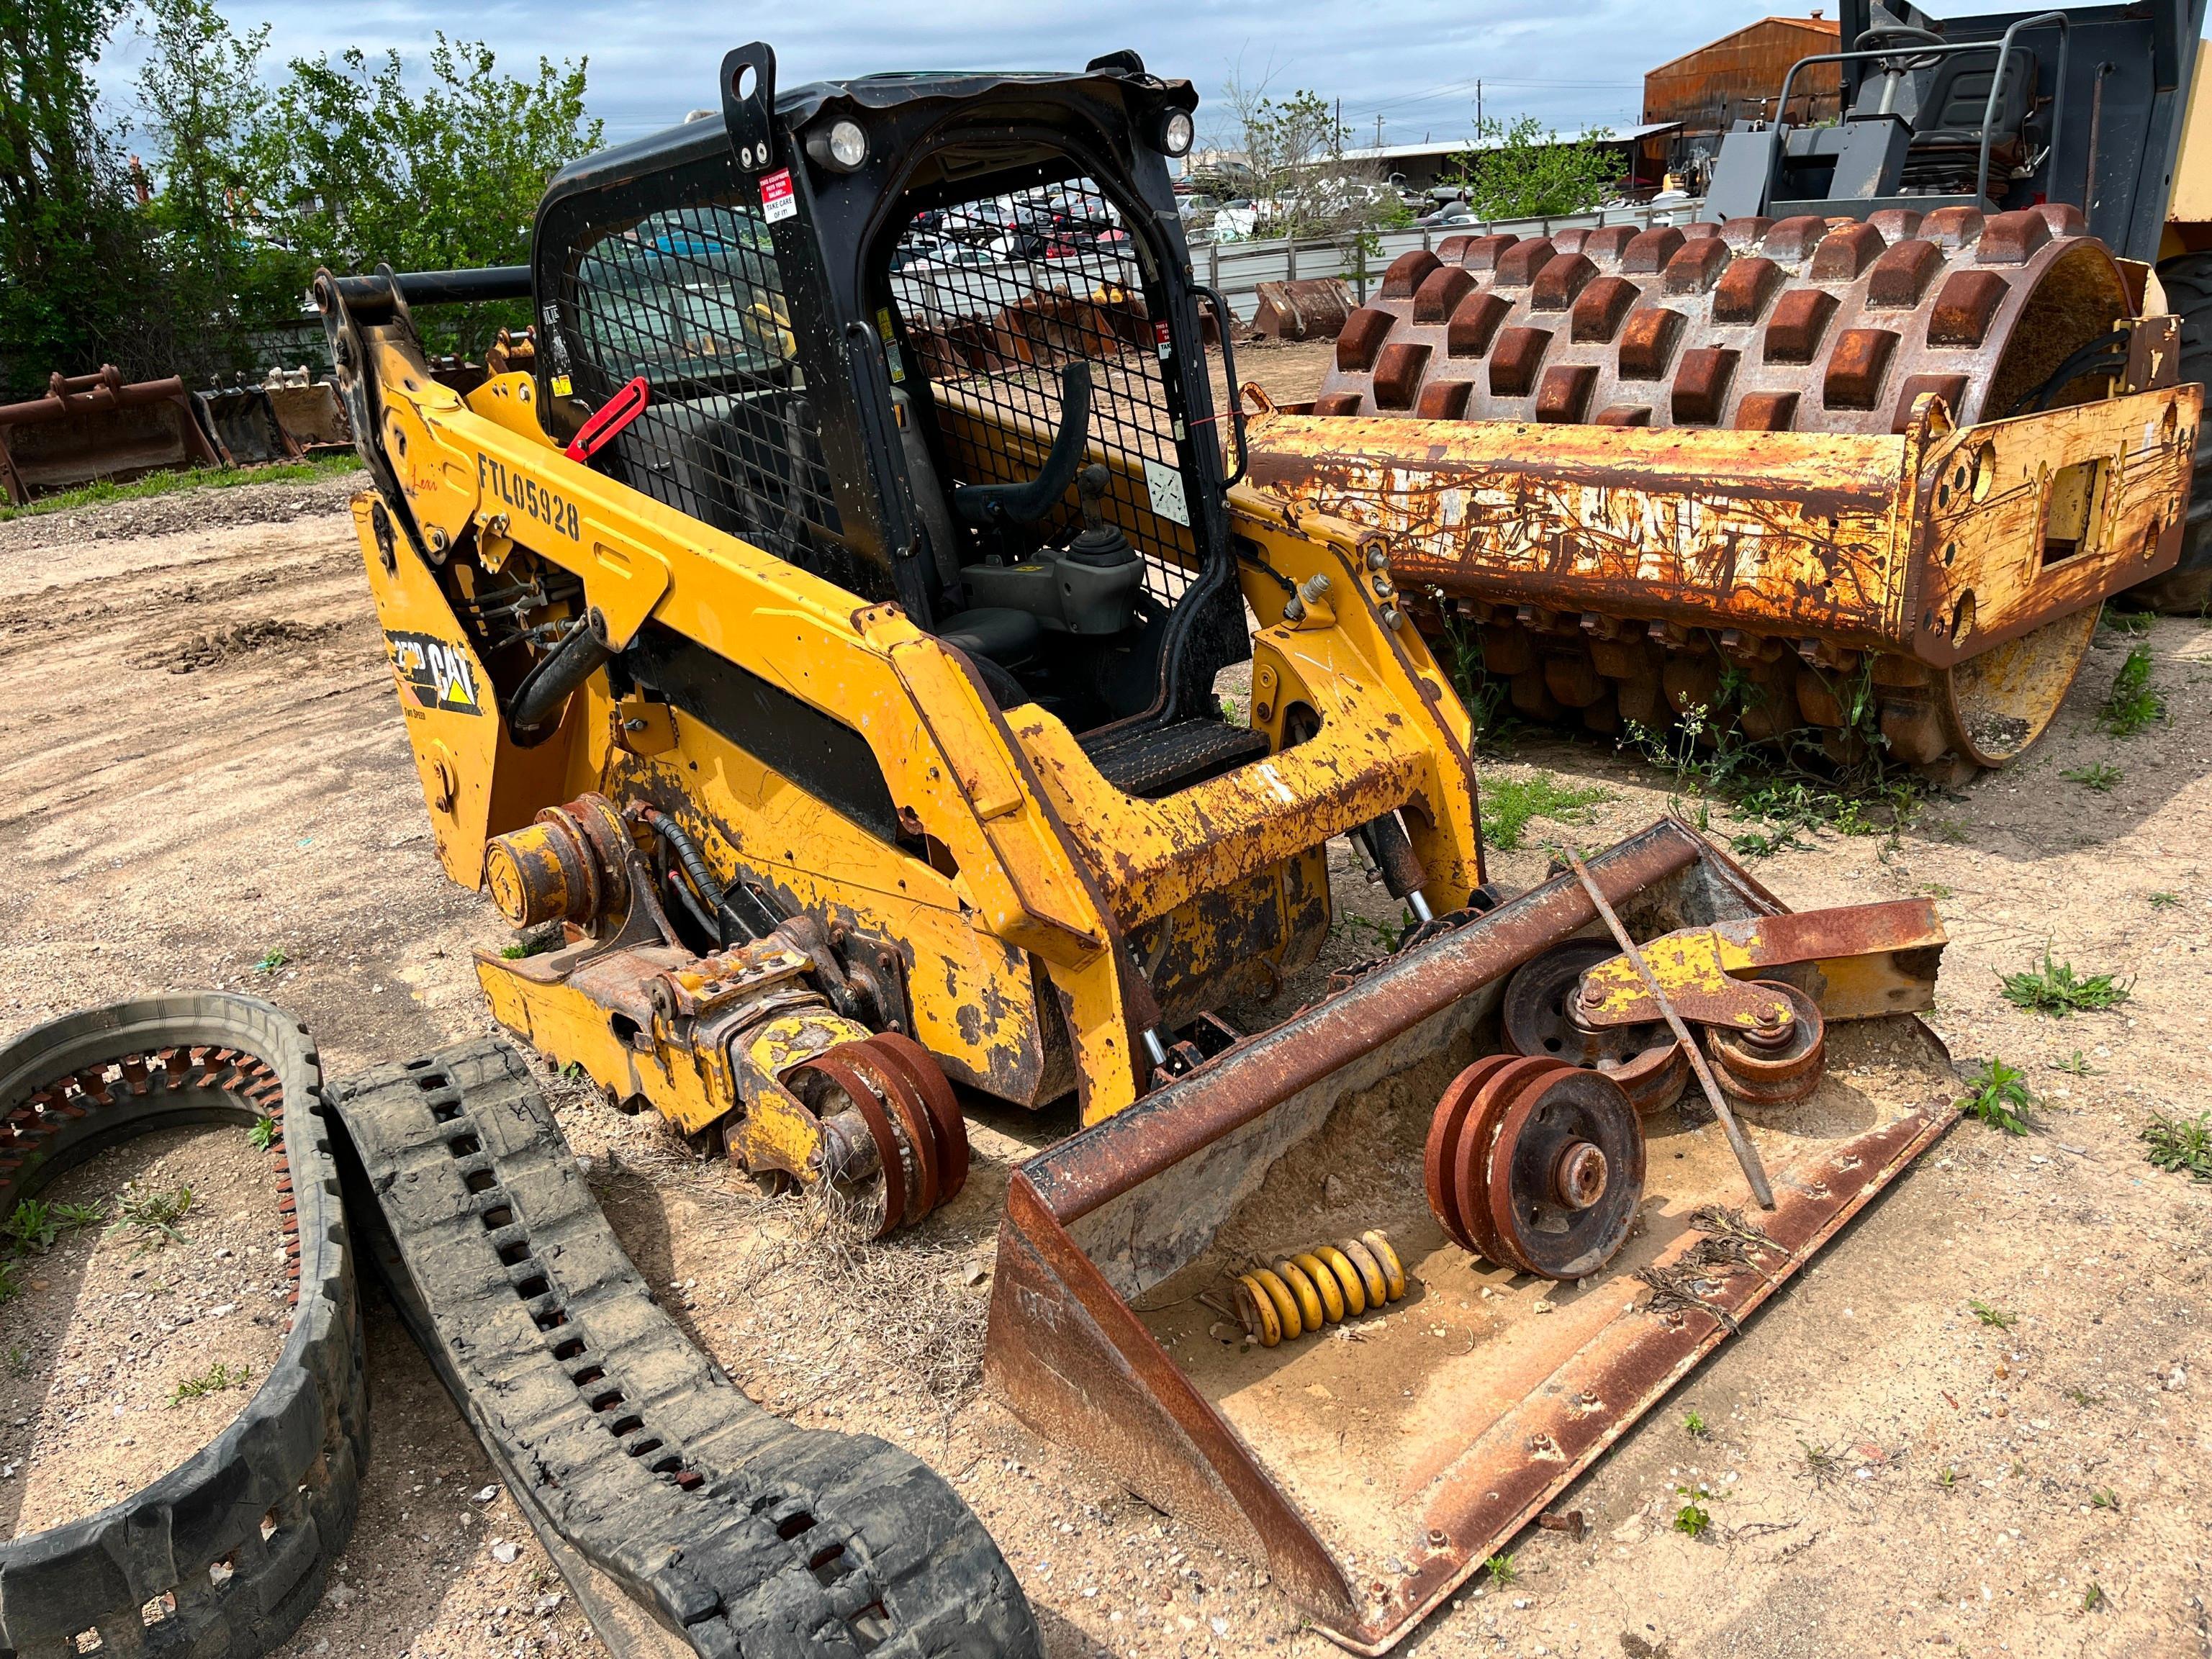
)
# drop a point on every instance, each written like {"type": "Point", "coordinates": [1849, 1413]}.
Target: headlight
{"type": "Point", "coordinates": [843, 146]}
{"type": "Point", "coordinates": [1176, 132]}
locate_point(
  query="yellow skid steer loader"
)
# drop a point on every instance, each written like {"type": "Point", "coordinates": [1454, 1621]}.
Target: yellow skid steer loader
{"type": "Point", "coordinates": [819, 624]}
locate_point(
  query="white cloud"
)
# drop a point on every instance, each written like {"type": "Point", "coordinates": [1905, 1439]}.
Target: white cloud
{"type": "Point", "coordinates": [1414, 63]}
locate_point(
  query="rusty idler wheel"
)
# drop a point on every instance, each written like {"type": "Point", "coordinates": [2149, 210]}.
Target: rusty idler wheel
{"type": "Point", "coordinates": [1536, 1166]}
{"type": "Point", "coordinates": [1537, 1014]}
{"type": "Point", "coordinates": [1775, 1066]}
{"type": "Point", "coordinates": [921, 1139]}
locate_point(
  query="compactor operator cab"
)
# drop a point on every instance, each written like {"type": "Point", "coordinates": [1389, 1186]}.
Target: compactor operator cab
{"type": "Point", "coordinates": [933, 337]}
{"type": "Point", "coordinates": [2082, 106]}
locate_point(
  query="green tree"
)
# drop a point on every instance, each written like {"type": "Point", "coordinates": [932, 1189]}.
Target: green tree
{"type": "Point", "coordinates": [356, 170]}
{"type": "Point", "coordinates": [1299, 176]}
{"type": "Point", "coordinates": [74, 287]}
{"type": "Point", "coordinates": [200, 93]}
{"type": "Point", "coordinates": [1526, 171]}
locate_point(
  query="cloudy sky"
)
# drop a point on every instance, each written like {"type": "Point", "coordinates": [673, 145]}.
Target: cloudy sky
{"type": "Point", "coordinates": [1413, 64]}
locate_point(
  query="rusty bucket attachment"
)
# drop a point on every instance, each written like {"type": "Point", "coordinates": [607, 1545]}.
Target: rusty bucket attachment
{"type": "Point", "coordinates": [1308, 308]}
{"type": "Point", "coordinates": [309, 413]}
{"type": "Point", "coordinates": [1375, 1459]}
{"type": "Point", "coordinates": [244, 421]}
{"type": "Point", "coordinates": [93, 427]}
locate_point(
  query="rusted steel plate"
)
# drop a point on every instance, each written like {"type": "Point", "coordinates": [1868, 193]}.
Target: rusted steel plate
{"type": "Point", "coordinates": [1784, 531]}
{"type": "Point", "coordinates": [1933, 543]}
{"type": "Point", "coordinates": [1374, 1477]}
{"type": "Point", "coordinates": [1859, 961]}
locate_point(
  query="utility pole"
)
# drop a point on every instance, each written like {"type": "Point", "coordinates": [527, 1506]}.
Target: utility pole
{"type": "Point", "coordinates": [1478, 109]}
{"type": "Point", "coordinates": [1378, 132]}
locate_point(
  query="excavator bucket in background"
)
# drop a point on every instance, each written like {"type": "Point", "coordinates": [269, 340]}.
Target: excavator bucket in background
{"type": "Point", "coordinates": [1376, 1462]}
{"type": "Point", "coordinates": [1304, 308]}
{"type": "Point", "coordinates": [244, 421]}
{"type": "Point", "coordinates": [93, 427]}
{"type": "Point", "coordinates": [311, 416]}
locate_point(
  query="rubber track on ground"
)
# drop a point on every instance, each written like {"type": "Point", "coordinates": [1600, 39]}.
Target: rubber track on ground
{"type": "Point", "coordinates": [223, 1555]}
{"type": "Point", "coordinates": [749, 1536]}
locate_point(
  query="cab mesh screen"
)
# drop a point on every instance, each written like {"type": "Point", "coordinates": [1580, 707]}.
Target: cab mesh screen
{"type": "Point", "coordinates": [690, 298]}
{"type": "Point", "coordinates": [995, 295]}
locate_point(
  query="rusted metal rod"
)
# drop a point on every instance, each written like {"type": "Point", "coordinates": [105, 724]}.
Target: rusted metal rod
{"type": "Point", "coordinates": [1747, 1155]}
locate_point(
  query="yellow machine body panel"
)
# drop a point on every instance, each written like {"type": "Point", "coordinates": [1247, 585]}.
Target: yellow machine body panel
{"type": "Point", "coordinates": [1025, 891]}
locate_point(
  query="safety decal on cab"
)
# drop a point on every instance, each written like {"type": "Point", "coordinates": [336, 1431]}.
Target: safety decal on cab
{"type": "Point", "coordinates": [777, 201]}
{"type": "Point", "coordinates": [433, 673]}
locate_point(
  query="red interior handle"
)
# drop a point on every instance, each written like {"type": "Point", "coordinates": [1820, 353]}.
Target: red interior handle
{"type": "Point", "coordinates": [618, 412]}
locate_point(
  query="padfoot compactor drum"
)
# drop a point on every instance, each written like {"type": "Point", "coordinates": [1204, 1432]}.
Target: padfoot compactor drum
{"type": "Point", "coordinates": [1870, 478]}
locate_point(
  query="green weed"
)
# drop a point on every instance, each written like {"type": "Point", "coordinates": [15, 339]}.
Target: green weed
{"type": "Point", "coordinates": [263, 1133]}
{"type": "Point", "coordinates": [2083, 1398]}
{"type": "Point", "coordinates": [2181, 1144]}
{"type": "Point", "coordinates": [1821, 1466]}
{"type": "Point", "coordinates": [154, 1216]}
{"type": "Point", "coordinates": [2075, 1065]}
{"type": "Point", "coordinates": [1696, 1426]}
{"type": "Point", "coordinates": [2131, 706]}
{"type": "Point", "coordinates": [80, 1217]}
{"type": "Point", "coordinates": [1229, 710]}
{"type": "Point", "coordinates": [1934, 889]}
{"type": "Point", "coordinates": [10, 1287]}
{"type": "Point", "coordinates": [19, 1362]}
{"type": "Point", "coordinates": [1693, 1517]}
{"type": "Point", "coordinates": [2133, 623]}
{"type": "Point", "coordinates": [1508, 804]}
{"type": "Point", "coordinates": [1999, 1095]}
{"type": "Point", "coordinates": [32, 1226]}
{"type": "Point", "coordinates": [271, 963]}
{"type": "Point", "coordinates": [1996, 1317]}
{"type": "Point", "coordinates": [1502, 1570]}
{"type": "Point", "coordinates": [169, 484]}
{"type": "Point", "coordinates": [213, 1380]}
{"type": "Point", "coordinates": [2054, 989]}
{"type": "Point", "coordinates": [2103, 1498]}
{"type": "Point", "coordinates": [2162, 900]}
{"type": "Point", "coordinates": [1947, 1478]}
{"type": "Point", "coordinates": [2093, 1597]}
{"type": "Point", "coordinates": [2099, 777]}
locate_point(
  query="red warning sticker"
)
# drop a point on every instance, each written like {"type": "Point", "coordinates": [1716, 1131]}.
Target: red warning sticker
{"type": "Point", "coordinates": [777, 201]}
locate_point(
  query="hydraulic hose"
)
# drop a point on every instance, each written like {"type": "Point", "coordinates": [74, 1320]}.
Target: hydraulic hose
{"type": "Point", "coordinates": [546, 689]}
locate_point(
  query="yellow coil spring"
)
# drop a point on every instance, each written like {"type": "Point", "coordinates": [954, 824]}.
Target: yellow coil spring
{"type": "Point", "coordinates": [1324, 1285]}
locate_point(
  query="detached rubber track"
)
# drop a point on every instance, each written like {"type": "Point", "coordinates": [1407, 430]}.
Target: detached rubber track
{"type": "Point", "coordinates": [222, 1557]}
{"type": "Point", "coordinates": [748, 1537]}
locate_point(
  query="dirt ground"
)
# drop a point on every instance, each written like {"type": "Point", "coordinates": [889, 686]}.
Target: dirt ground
{"type": "Point", "coordinates": [131, 1341]}
{"type": "Point", "coordinates": [1891, 1474]}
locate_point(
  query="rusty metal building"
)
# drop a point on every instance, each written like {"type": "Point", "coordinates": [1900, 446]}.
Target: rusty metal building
{"type": "Point", "coordinates": [1737, 78]}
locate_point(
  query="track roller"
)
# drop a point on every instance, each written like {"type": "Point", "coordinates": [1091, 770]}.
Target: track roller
{"type": "Point", "coordinates": [914, 1124]}
{"type": "Point", "coordinates": [1777, 1065]}
{"type": "Point", "coordinates": [1535, 1164]}
{"type": "Point", "coordinates": [1537, 1014]}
